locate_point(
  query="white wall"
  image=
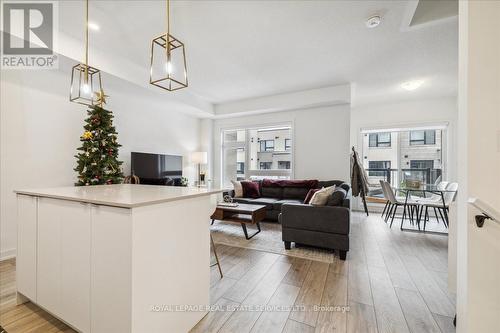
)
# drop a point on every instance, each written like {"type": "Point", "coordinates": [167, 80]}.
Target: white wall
{"type": "Point", "coordinates": [478, 249]}
{"type": "Point", "coordinates": [415, 112]}
{"type": "Point", "coordinates": [320, 140]}
{"type": "Point", "coordinates": [40, 132]}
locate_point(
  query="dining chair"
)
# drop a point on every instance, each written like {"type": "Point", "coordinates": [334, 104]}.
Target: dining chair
{"type": "Point", "coordinates": [388, 204]}
{"type": "Point", "coordinates": [436, 203]}
{"type": "Point", "coordinates": [395, 202]}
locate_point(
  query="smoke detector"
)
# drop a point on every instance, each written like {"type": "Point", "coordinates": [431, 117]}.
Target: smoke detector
{"type": "Point", "coordinates": [373, 21]}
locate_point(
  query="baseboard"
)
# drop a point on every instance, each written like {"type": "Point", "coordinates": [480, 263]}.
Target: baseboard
{"type": "Point", "coordinates": [7, 254]}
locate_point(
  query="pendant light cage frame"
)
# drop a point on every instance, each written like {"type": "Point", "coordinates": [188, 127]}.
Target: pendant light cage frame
{"type": "Point", "coordinates": [86, 82]}
{"type": "Point", "coordinates": [82, 75]}
{"type": "Point", "coordinates": [163, 58]}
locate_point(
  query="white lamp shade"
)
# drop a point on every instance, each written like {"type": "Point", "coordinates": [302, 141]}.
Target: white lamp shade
{"type": "Point", "coordinates": [199, 157]}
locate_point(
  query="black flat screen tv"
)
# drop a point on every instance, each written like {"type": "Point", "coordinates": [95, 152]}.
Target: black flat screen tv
{"type": "Point", "coordinates": [157, 169]}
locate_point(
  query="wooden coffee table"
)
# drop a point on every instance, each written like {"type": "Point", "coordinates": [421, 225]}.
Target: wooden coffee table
{"type": "Point", "coordinates": [243, 214]}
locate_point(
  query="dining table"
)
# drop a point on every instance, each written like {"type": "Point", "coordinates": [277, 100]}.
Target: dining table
{"type": "Point", "coordinates": [423, 193]}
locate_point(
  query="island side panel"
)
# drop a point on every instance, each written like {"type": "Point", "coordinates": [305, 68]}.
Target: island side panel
{"type": "Point", "coordinates": [170, 263]}
{"type": "Point", "coordinates": [111, 270]}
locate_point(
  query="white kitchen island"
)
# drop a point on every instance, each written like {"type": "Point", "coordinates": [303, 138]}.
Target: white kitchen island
{"type": "Point", "coordinates": [116, 258]}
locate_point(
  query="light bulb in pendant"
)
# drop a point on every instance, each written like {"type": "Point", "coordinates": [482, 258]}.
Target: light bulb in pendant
{"type": "Point", "coordinates": [86, 89]}
{"type": "Point", "coordinates": [168, 67]}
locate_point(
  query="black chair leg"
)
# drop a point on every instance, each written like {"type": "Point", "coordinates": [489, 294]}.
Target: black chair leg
{"type": "Point", "coordinates": [393, 214]}
{"type": "Point", "coordinates": [442, 217]}
{"type": "Point", "coordinates": [426, 216]}
{"type": "Point", "coordinates": [436, 214]}
{"type": "Point", "coordinates": [385, 208]}
{"type": "Point", "coordinates": [389, 212]}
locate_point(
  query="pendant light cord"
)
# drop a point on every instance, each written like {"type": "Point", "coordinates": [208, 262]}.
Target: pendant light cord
{"type": "Point", "coordinates": [86, 40]}
{"type": "Point", "coordinates": [167, 44]}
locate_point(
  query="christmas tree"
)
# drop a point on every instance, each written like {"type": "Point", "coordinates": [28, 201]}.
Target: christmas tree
{"type": "Point", "coordinates": [97, 161]}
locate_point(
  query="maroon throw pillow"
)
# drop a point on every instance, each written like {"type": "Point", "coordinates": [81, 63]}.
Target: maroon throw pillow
{"type": "Point", "coordinates": [250, 189]}
{"type": "Point", "coordinates": [310, 194]}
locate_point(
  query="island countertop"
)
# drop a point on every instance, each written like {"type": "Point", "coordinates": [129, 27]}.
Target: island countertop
{"type": "Point", "coordinates": [121, 195]}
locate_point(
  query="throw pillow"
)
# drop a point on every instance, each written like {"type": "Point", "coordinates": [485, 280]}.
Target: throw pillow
{"type": "Point", "coordinates": [238, 189]}
{"type": "Point", "coordinates": [310, 195]}
{"type": "Point", "coordinates": [320, 198]}
{"type": "Point", "coordinates": [337, 197]}
{"type": "Point", "coordinates": [250, 189]}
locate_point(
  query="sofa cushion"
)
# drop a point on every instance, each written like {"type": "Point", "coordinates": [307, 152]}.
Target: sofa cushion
{"type": "Point", "coordinates": [309, 183]}
{"type": "Point", "coordinates": [295, 192]}
{"type": "Point", "coordinates": [310, 194]}
{"type": "Point", "coordinates": [268, 202]}
{"type": "Point", "coordinates": [272, 192]}
{"type": "Point", "coordinates": [320, 198]}
{"type": "Point", "coordinates": [338, 183]}
{"type": "Point", "coordinates": [337, 197]}
{"type": "Point", "coordinates": [279, 203]}
{"type": "Point", "coordinates": [250, 189]}
{"type": "Point", "coordinates": [238, 189]}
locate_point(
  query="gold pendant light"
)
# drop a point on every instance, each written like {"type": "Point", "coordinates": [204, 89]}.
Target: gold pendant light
{"type": "Point", "coordinates": [86, 83]}
{"type": "Point", "coordinates": [168, 60]}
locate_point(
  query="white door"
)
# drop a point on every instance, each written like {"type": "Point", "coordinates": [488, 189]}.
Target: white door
{"type": "Point", "coordinates": [478, 266]}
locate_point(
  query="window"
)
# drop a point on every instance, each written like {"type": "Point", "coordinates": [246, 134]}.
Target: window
{"type": "Point", "coordinates": [240, 168]}
{"type": "Point", "coordinates": [382, 165]}
{"type": "Point", "coordinates": [256, 153]}
{"type": "Point", "coordinates": [283, 165]}
{"type": "Point", "coordinates": [414, 154]}
{"type": "Point", "coordinates": [380, 139]}
{"type": "Point", "coordinates": [266, 145]}
{"type": "Point", "coordinates": [423, 137]}
{"type": "Point", "coordinates": [266, 165]}
{"type": "Point", "coordinates": [422, 164]}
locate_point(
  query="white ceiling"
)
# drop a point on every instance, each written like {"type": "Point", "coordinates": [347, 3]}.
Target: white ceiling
{"type": "Point", "coordinates": [243, 49]}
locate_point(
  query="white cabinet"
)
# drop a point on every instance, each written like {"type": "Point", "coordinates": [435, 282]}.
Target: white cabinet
{"type": "Point", "coordinates": [111, 295]}
{"type": "Point", "coordinates": [26, 246]}
{"type": "Point", "coordinates": [64, 252]}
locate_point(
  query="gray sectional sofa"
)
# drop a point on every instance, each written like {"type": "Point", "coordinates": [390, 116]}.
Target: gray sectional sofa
{"type": "Point", "coordinates": [326, 226]}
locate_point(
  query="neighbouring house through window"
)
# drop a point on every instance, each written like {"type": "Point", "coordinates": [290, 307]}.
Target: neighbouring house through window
{"type": "Point", "coordinates": [256, 153]}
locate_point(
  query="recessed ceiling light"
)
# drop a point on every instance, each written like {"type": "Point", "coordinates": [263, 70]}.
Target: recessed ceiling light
{"type": "Point", "coordinates": [373, 21]}
{"type": "Point", "coordinates": [94, 26]}
{"type": "Point", "coordinates": [412, 85]}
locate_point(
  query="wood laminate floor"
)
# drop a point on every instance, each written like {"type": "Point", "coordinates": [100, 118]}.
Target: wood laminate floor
{"type": "Point", "coordinates": [392, 281]}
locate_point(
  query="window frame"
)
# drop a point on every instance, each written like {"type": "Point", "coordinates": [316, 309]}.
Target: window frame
{"type": "Point", "coordinates": [246, 145]}
{"type": "Point", "coordinates": [265, 163]}
{"type": "Point", "coordinates": [424, 141]}
{"type": "Point", "coordinates": [387, 165]}
{"type": "Point", "coordinates": [288, 146]}
{"type": "Point", "coordinates": [378, 143]}
{"type": "Point", "coordinates": [266, 146]}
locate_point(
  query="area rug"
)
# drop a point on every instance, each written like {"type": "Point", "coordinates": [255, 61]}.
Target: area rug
{"type": "Point", "coordinates": [269, 240]}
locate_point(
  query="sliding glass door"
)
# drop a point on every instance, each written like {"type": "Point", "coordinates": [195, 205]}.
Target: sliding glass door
{"type": "Point", "coordinates": [403, 154]}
